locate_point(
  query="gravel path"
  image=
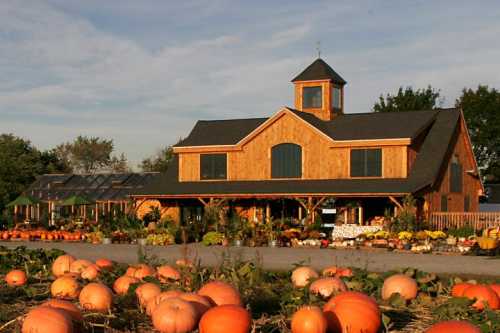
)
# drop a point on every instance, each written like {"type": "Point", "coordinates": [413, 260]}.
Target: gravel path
{"type": "Point", "coordinates": [376, 260]}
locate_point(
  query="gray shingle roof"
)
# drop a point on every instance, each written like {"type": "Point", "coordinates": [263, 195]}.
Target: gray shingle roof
{"type": "Point", "coordinates": [319, 70]}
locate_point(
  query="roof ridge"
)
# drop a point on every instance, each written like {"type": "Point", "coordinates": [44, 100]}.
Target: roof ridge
{"type": "Point", "coordinates": [232, 119]}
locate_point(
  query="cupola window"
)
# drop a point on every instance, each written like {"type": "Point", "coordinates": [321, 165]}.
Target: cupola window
{"type": "Point", "coordinates": [336, 98]}
{"type": "Point", "coordinates": [312, 97]}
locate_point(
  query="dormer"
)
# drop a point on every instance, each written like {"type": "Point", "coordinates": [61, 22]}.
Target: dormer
{"type": "Point", "coordinates": [319, 90]}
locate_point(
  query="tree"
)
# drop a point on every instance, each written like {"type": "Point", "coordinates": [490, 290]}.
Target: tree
{"type": "Point", "coordinates": [481, 108]}
{"type": "Point", "coordinates": [159, 162]}
{"type": "Point", "coordinates": [119, 164]}
{"type": "Point", "coordinates": [409, 100]}
{"type": "Point", "coordinates": [87, 154]}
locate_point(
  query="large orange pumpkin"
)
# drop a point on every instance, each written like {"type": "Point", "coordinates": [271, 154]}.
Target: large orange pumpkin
{"type": "Point", "coordinates": [44, 319]}
{"type": "Point", "coordinates": [104, 263]}
{"type": "Point", "coordinates": [174, 315]}
{"type": "Point", "coordinates": [143, 270]}
{"type": "Point", "coordinates": [453, 326]}
{"type": "Point", "coordinates": [483, 295]}
{"type": "Point", "coordinates": [459, 288]}
{"type": "Point", "coordinates": [91, 272]}
{"type": "Point", "coordinates": [62, 265]}
{"type": "Point", "coordinates": [65, 287]}
{"type": "Point", "coordinates": [201, 303]}
{"type": "Point", "coordinates": [121, 285]}
{"type": "Point", "coordinates": [155, 301]}
{"type": "Point", "coordinates": [221, 293]}
{"type": "Point", "coordinates": [309, 319]}
{"type": "Point", "coordinates": [301, 276]}
{"type": "Point", "coordinates": [16, 278]}
{"type": "Point", "coordinates": [352, 312]}
{"type": "Point", "coordinates": [147, 291]}
{"type": "Point", "coordinates": [166, 273]}
{"type": "Point", "coordinates": [78, 266]}
{"type": "Point", "coordinates": [400, 284]}
{"type": "Point", "coordinates": [96, 297]}
{"type": "Point", "coordinates": [69, 307]}
{"type": "Point", "coordinates": [221, 318]}
{"type": "Point", "coordinates": [325, 287]}
{"type": "Point", "coordinates": [496, 288]}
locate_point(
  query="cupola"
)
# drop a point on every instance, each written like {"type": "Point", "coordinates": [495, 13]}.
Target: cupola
{"type": "Point", "coordinates": [319, 90]}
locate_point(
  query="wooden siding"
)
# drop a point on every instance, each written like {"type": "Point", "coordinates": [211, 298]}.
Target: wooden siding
{"type": "Point", "coordinates": [189, 167]}
{"type": "Point", "coordinates": [476, 220]}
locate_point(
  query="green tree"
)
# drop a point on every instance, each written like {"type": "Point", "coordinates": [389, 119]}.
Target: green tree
{"type": "Point", "coordinates": [158, 162]}
{"type": "Point", "coordinates": [481, 108]}
{"type": "Point", "coordinates": [408, 99]}
{"type": "Point", "coordinates": [87, 154]}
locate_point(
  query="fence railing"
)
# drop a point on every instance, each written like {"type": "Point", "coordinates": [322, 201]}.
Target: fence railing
{"type": "Point", "coordinates": [477, 220]}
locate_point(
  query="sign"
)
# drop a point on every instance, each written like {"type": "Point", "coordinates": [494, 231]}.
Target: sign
{"type": "Point", "coordinates": [329, 210]}
{"type": "Point", "coordinates": [328, 225]}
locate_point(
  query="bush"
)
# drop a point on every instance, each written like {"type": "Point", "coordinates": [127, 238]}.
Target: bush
{"type": "Point", "coordinates": [212, 238]}
{"type": "Point", "coordinates": [464, 231]}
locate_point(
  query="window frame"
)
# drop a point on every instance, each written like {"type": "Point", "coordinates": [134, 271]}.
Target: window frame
{"type": "Point", "coordinates": [304, 106]}
{"type": "Point", "coordinates": [213, 174]}
{"type": "Point", "coordinates": [279, 171]}
{"type": "Point", "coordinates": [365, 173]}
{"type": "Point", "coordinates": [334, 91]}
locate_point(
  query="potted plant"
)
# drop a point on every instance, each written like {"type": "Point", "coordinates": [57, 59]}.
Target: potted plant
{"type": "Point", "coordinates": [107, 234]}
{"type": "Point", "coordinates": [272, 235]}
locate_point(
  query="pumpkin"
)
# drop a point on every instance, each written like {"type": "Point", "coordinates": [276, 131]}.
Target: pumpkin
{"type": "Point", "coordinates": [143, 270]}
{"type": "Point", "coordinates": [352, 312]}
{"type": "Point", "coordinates": [44, 319]}
{"type": "Point", "coordinates": [91, 272]}
{"type": "Point", "coordinates": [184, 263]}
{"type": "Point", "coordinates": [325, 287]}
{"type": "Point", "coordinates": [174, 315]}
{"type": "Point", "coordinates": [496, 288]}
{"type": "Point", "coordinates": [104, 263]}
{"type": "Point", "coordinates": [130, 271]}
{"type": "Point", "coordinates": [453, 326]}
{"type": "Point", "coordinates": [96, 297]}
{"type": "Point", "coordinates": [78, 266]}
{"type": "Point", "coordinates": [62, 265]}
{"type": "Point", "coordinates": [309, 319]}
{"type": "Point", "coordinates": [69, 307]}
{"type": "Point", "coordinates": [65, 287]}
{"type": "Point", "coordinates": [121, 285]}
{"type": "Point", "coordinates": [459, 288]}
{"type": "Point", "coordinates": [155, 301]}
{"type": "Point", "coordinates": [301, 276]}
{"type": "Point", "coordinates": [400, 284]}
{"type": "Point", "coordinates": [16, 278]}
{"type": "Point", "coordinates": [146, 291]}
{"type": "Point", "coordinates": [166, 273]}
{"type": "Point", "coordinates": [483, 295]}
{"type": "Point", "coordinates": [201, 303]}
{"type": "Point", "coordinates": [218, 319]}
{"type": "Point", "coordinates": [344, 272]}
{"type": "Point", "coordinates": [220, 293]}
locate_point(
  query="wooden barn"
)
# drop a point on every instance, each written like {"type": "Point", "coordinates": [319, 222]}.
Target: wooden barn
{"type": "Point", "coordinates": [316, 159]}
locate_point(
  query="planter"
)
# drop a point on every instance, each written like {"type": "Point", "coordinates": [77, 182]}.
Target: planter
{"type": "Point", "coordinates": [142, 241]}
{"type": "Point", "coordinates": [238, 243]}
{"type": "Point", "coordinates": [273, 243]}
{"type": "Point", "coordinates": [106, 241]}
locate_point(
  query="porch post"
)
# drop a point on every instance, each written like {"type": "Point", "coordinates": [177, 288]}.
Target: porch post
{"type": "Point", "coordinates": [97, 212]}
{"type": "Point", "coordinates": [268, 212]}
{"type": "Point", "coordinates": [360, 215]}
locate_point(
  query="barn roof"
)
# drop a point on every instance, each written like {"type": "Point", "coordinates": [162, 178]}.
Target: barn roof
{"type": "Point", "coordinates": [319, 70]}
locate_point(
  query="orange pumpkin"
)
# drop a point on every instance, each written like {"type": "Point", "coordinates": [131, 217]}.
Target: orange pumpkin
{"type": "Point", "coordinates": [130, 271]}
{"type": "Point", "coordinates": [96, 297]}
{"type": "Point", "coordinates": [62, 265]}
{"type": "Point", "coordinates": [65, 287]}
{"type": "Point", "coordinates": [166, 273]}
{"type": "Point", "coordinates": [400, 284]}
{"type": "Point", "coordinates": [220, 318]}
{"type": "Point", "coordinates": [483, 295]}
{"type": "Point", "coordinates": [453, 326]}
{"type": "Point", "coordinates": [496, 288]}
{"type": "Point", "coordinates": [344, 272]}
{"type": "Point", "coordinates": [184, 263]}
{"type": "Point", "coordinates": [104, 263]}
{"type": "Point", "coordinates": [459, 288]}
{"type": "Point", "coordinates": [174, 315]}
{"type": "Point", "coordinates": [147, 291]}
{"type": "Point", "coordinates": [44, 319]}
{"type": "Point", "coordinates": [69, 307]}
{"type": "Point", "coordinates": [309, 319]}
{"type": "Point", "coordinates": [121, 285]}
{"type": "Point", "coordinates": [337, 271]}
{"type": "Point", "coordinates": [221, 293]}
{"type": "Point", "coordinates": [155, 301]}
{"type": "Point", "coordinates": [143, 270]}
{"type": "Point", "coordinates": [78, 266]}
{"type": "Point", "coordinates": [16, 278]}
{"type": "Point", "coordinates": [325, 287]}
{"type": "Point", "coordinates": [352, 312]}
{"type": "Point", "coordinates": [301, 276]}
{"type": "Point", "coordinates": [91, 272]}
{"type": "Point", "coordinates": [201, 303]}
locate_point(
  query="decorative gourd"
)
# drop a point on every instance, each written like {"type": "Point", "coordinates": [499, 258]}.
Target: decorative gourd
{"type": "Point", "coordinates": [218, 319]}
{"type": "Point", "coordinates": [65, 287]}
{"type": "Point", "coordinates": [201, 303]}
{"type": "Point", "coordinates": [16, 278]}
{"type": "Point", "coordinates": [104, 263]}
{"type": "Point", "coordinates": [96, 297]}
{"type": "Point", "coordinates": [325, 287]}
{"type": "Point", "coordinates": [301, 276]}
{"type": "Point", "coordinates": [147, 291]}
{"type": "Point", "coordinates": [44, 319]}
{"type": "Point", "coordinates": [121, 285]}
{"type": "Point", "coordinates": [78, 266]}
{"type": "Point", "coordinates": [155, 301]}
{"type": "Point", "coordinates": [487, 243]}
{"type": "Point", "coordinates": [62, 265]}
{"type": "Point", "coordinates": [69, 307]}
{"type": "Point", "coordinates": [453, 326]}
{"type": "Point", "coordinates": [400, 284]}
{"type": "Point", "coordinates": [459, 288]}
{"type": "Point", "coordinates": [174, 315]}
{"type": "Point", "coordinates": [309, 319]}
{"type": "Point", "coordinates": [166, 273]}
{"type": "Point", "coordinates": [221, 293]}
{"type": "Point", "coordinates": [352, 312]}
{"type": "Point", "coordinates": [143, 270]}
{"type": "Point", "coordinates": [91, 272]}
{"type": "Point", "coordinates": [483, 295]}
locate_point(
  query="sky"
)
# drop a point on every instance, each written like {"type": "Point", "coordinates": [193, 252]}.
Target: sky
{"type": "Point", "coordinates": [141, 72]}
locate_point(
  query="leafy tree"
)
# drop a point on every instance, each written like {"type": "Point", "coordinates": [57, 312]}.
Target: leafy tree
{"type": "Point", "coordinates": [159, 162]}
{"type": "Point", "coordinates": [408, 99]}
{"type": "Point", "coordinates": [481, 108]}
{"type": "Point", "coordinates": [87, 154]}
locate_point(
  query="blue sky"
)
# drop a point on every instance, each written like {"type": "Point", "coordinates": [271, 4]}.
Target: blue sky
{"type": "Point", "coordinates": [142, 72]}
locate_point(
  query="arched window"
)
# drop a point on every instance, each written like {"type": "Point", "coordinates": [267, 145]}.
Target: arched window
{"type": "Point", "coordinates": [286, 161]}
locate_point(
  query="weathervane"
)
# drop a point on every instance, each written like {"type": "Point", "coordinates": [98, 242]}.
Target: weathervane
{"type": "Point", "coordinates": [318, 48]}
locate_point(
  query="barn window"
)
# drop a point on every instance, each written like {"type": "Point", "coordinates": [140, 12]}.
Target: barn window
{"type": "Point", "coordinates": [286, 161]}
{"type": "Point", "coordinates": [456, 172]}
{"type": "Point", "coordinates": [444, 203]}
{"type": "Point", "coordinates": [366, 162]}
{"type": "Point", "coordinates": [213, 166]}
{"type": "Point", "coordinates": [312, 97]}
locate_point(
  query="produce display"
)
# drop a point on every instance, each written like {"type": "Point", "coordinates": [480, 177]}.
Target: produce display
{"type": "Point", "coordinates": [50, 287]}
